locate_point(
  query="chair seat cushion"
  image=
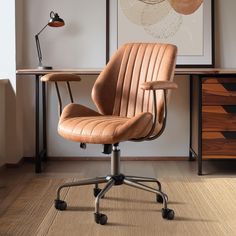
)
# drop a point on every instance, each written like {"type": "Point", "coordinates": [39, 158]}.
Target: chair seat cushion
{"type": "Point", "coordinates": [81, 124]}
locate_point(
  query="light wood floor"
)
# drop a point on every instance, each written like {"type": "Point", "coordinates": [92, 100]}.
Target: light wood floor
{"type": "Point", "coordinates": [204, 205]}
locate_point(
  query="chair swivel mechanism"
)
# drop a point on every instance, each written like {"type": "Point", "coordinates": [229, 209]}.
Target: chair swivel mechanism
{"type": "Point", "coordinates": [131, 96]}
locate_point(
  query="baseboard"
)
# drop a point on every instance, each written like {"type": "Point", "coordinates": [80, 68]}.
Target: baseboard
{"type": "Point", "coordinates": [15, 165]}
{"type": "Point", "coordinates": [107, 158]}
{"type": "Point", "coordinates": [93, 158]}
{"type": "Point", "coordinates": [29, 159]}
{"type": "Point", "coordinates": [2, 167]}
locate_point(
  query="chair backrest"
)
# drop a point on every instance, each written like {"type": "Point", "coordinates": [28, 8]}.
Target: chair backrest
{"type": "Point", "coordinates": [117, 89]}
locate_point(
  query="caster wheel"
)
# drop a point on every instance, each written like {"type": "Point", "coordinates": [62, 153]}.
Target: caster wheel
{"type": "Point", "coordinates": [100, 218]}
{"type": "Point", "coordinates": [60, 205]}
{"type": "Point", "coordinates": [160, 199]}
{"type": "Point", "coordinates": [168, 214]}
{"type": "Point", "coordinates": [96, 191]}
{"type": "Point", "coordinates": [83, 145]}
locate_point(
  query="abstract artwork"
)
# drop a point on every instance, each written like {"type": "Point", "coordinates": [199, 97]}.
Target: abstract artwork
{"type": "Point", "coordinates": [185, 23]}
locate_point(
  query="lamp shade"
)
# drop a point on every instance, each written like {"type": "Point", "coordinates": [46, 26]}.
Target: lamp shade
{"type": "Point", "coordinates": [55, 20]}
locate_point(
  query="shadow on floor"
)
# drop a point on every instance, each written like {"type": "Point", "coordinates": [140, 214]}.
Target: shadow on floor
{"type": "Point", "coordinates": [219, 168]}
{"type": "Point", "coordinates": [91, 209]}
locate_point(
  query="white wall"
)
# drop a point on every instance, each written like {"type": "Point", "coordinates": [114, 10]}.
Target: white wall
{"type": "Point", "coordinates": [10, 122]}
{"type": "Point", "coordinates": [2, 122]}
{"type": "Point", "coordinates": [7, 41]}
{"type": "Point", "coordinates": [81, 43]}
{"type": "Point", "coordinates": [225, 33]}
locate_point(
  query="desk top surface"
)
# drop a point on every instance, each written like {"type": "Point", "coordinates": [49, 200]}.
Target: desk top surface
{"type": "Point", "coordinates": [80, 71]}
{"type": "Point", "coordinates": [97, 71]}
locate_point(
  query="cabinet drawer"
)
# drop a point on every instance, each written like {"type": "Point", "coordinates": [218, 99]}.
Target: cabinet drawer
{"type": "Point", "coordinates": [219, 94]}
{"type": "Point", "coordinates": [219, 118]}
{"type": "Point", "coordinates": [219, 143]}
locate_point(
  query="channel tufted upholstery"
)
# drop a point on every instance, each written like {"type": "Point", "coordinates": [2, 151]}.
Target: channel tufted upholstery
{"type": "Point", "coordinates": [89, 127]}
{"type": "Point", "coordinates": [125, 111]}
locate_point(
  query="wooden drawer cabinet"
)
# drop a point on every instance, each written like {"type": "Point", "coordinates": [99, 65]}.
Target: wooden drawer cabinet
{"type": "Point", "coordinates": [213, 102]}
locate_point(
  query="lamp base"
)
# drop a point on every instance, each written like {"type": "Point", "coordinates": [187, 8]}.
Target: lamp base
{"type": "Point", "coordinates": [45, 67]}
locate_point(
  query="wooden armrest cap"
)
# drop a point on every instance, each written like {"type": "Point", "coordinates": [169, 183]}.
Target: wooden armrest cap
{"type": "Point", "coordinates": [156, 85]}
{"type": "Point", "coordinates": [60, 77]}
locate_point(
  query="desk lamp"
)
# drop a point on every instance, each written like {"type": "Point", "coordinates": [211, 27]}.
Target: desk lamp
{"type": "Point", "coordinates": [54, 21]}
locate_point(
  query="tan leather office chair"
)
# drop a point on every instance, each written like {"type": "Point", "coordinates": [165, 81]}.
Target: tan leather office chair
{"type": "Point", "coordinates": [131, 97]}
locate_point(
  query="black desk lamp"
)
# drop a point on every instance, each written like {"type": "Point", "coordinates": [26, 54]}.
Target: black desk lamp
{"type": "Point", "coordinates": [54, 21]}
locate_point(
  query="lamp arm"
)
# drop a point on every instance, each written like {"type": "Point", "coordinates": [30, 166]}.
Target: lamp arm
{"type": "Point", "coordinates": [40, 57]}
{"type": "Point", "coordinates": [38, 49]}
{"type": "Point", "coordinates": [42, 29]}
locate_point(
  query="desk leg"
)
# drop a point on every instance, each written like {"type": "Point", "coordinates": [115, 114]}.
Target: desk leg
{"type": "Point", "coordinates": [191, 152]}
{"type": "Point", "coordinates": [38, 167]}
{"type": "Point", "coordinates": [44, 121]}
{"type": "Point", "coordinates": [195, 143]}
{"type": "Point", "coordinates": [200, 126]}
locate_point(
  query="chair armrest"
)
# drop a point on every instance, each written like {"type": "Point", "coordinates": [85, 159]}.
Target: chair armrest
{"type": "Point", "coordinates": [157, 85]}
{"type": "Point", "coordinates": [60, 77]}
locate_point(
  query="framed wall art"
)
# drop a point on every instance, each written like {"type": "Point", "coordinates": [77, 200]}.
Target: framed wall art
{"type": "Point", "coordinates": [189, 24]}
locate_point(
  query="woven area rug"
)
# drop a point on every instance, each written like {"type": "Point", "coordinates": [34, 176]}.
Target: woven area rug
{"type": "Point", "coordinates": [202, 208]}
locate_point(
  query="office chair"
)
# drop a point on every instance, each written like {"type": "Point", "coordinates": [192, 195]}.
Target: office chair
{"type": "Point", "coordinates": [131, 96]}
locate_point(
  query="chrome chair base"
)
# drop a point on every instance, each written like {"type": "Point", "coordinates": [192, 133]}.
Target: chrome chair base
{"type": "Point", "coordinates": [117, 178]}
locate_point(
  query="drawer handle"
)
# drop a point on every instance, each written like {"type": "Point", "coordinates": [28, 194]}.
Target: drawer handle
{"type": "Point", "coordinates": [229, 134]}
{"type": "Point", "coordinates": [229, 108]}
{"type": "Point", "coordinates": [230, 87]}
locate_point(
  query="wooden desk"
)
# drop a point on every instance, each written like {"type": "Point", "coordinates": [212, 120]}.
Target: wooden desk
{"type": "Point", "coordinates": [96, 71]}
{"type": "Point", "coordinates": [200, 130]}
{"type": "Point", "coordinates": [87, 71]}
